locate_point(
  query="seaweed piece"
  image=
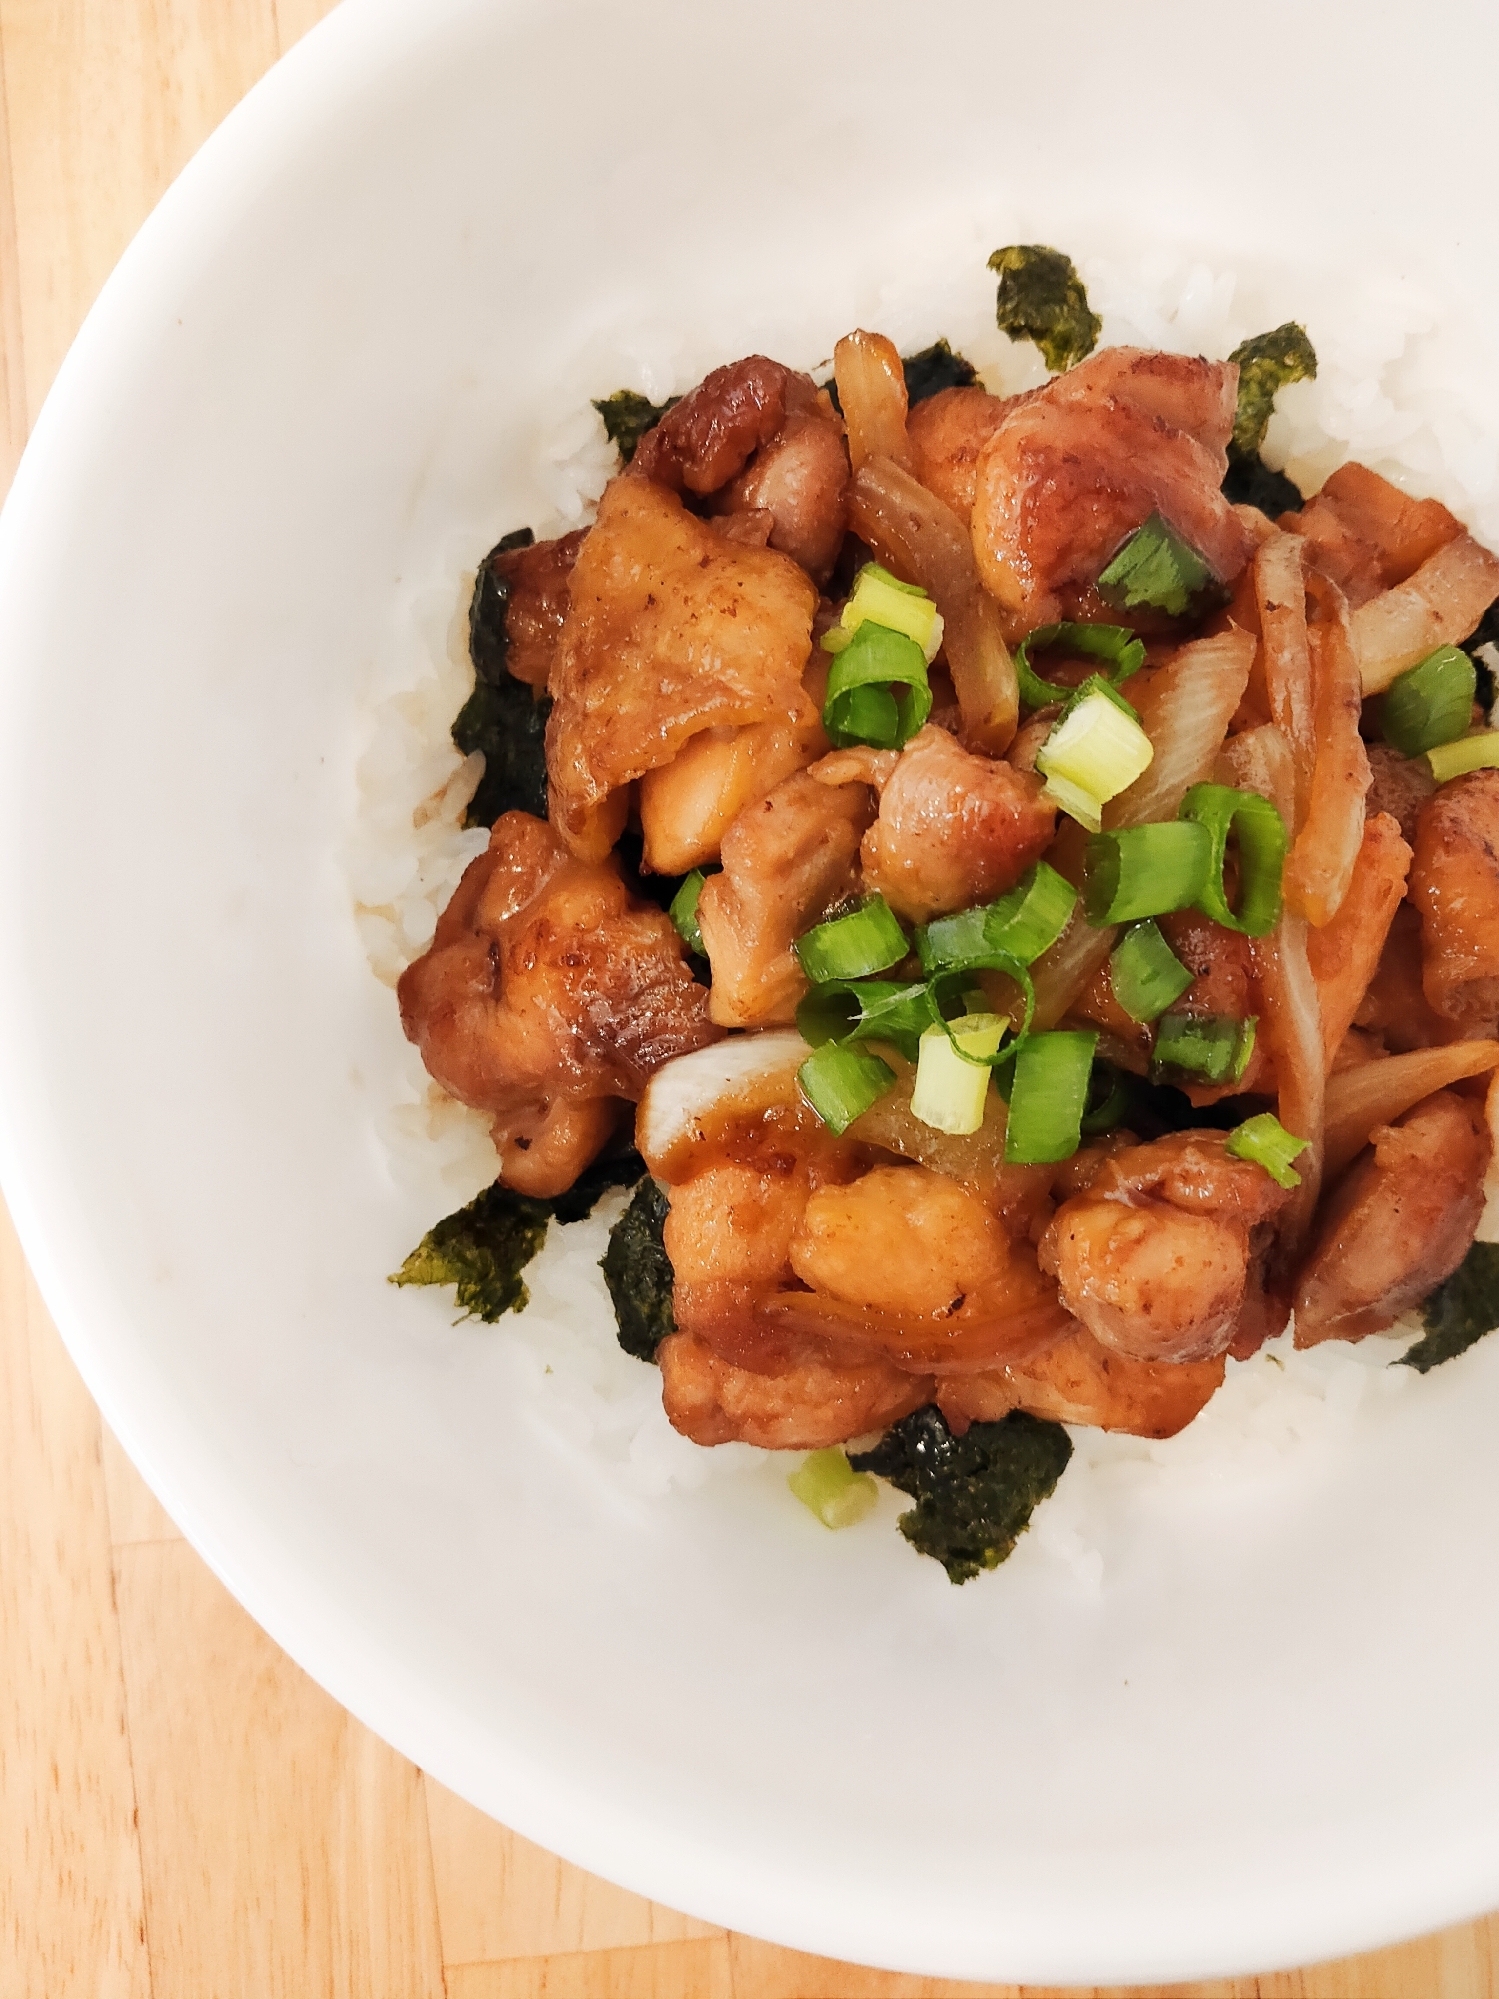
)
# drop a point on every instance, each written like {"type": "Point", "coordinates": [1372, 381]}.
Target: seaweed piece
{"type": "Point", "coordinates": [628, 416]}
{"type": "Point", "coordinates": [488, 640]}
{"type": "Point", "coordinates": [1460, 1311]}
{"type": "Point", "coordinates": [1041, 298]}
{"type": "Point", "coordinates": [1266, 363]}
{"type": "Point", "coordinates": [482, 1249]}
{"type": "Point", "coordinates": [974, 1494]}
{"type": "Point", "coordinates": [1249, 482]}
{"type": "Point", "coordinates": [638, 1273]}
{"type": "Point", "coordinates": [506, 721]}
{"type": "Point", "coordinates": [935, 368]}
{"type": "Point", "coordinates": [623, 1169]}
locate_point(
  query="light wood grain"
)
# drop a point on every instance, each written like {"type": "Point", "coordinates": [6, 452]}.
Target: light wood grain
{"type": "Point", "coordinates": [279, 1851]}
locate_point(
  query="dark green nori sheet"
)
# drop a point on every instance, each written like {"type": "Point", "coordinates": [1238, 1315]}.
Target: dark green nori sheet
{"type": "Point", "coordinates": [1249, 482]}
{"type": "Point", "coordinates": [482, 1249]}
{"type": "Point", "coordinates": [1460, 1311]}
{"type": "Point", "coordinates": [628, 416]}
{"type": "Point", "coordinates": [638, 1273]}
{"type": "Point", "coordinates": [508, 723]}
{"type": "Point", "coordinates": [1041, 298]}
{"type": "Point", "coordinates": [935, 368]}
{"type": "Point", "coordinates": [1266, 363]}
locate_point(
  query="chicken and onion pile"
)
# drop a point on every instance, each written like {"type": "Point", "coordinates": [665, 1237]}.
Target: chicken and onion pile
{"type": "Point", "coordinates": [1036, 914]}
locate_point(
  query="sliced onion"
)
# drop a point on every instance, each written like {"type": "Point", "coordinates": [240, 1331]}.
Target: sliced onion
{"type": "Point", "coordinates": [872, 394]}
{"type": "Point", "coordinates": [1320, 865]}
{"type": "Point", "coordinates": [923, 541]}
{"type": "Point", "coordinates": [1280, 594]}
{"type": "Point", "coordinates": [1438, 606]}
{"type": "Point", "coordinates": [1344, 954]}
{"type": "Point", "coordinates": [1360, 1100]}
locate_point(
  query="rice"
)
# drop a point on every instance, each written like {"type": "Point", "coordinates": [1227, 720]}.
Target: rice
{"type": "Point", "coordinates": [1379, 396]}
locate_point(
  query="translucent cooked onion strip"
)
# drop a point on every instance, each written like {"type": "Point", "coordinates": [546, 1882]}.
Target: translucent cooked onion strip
{"type": "Point", "coordinates": [1438, 606]}
{"type": "Point", "coordinates": [872, 395]}
{"type": "Point", "coordinates": [1360, 1100]}
{"type": "Point", "coordinates": [1322, 857]}
{"type": "Point", "coordinates": [920, 538]}
{"type": "Point", "coordinates": [1280, 597]}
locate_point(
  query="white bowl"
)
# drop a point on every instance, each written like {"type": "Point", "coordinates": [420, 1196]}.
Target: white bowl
{"type": "Point", "coordinates": [1264, 1730]}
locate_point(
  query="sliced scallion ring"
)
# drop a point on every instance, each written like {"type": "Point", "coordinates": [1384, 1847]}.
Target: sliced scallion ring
{"type": "Point", "coordinates": [683, 910]}
{"type": "Point", "coordinates": [866, 1010]}
{"type": "Point", "coordinates": [1146, 974]}
{"type": "Point", "coordinates": [1115, 644]}
{"type": "Point", "coordinates": [1048, 1095]}
{"type": "Point", "coordinates": [1431, 704]}
{"type": "Point", "coordinates": [1261, 834]}
{"type": "Point", "coordinates": [878, 692]}
{"type": "Point", "coordinates": [1212, 1047]}
{"type": "Point", "coordinates": [1021, 924]}
{"type": "Point", "coordinates": [1145, 870]}
{"type": "Point", "coordinates": [1096, 750]}
{"type": "Point", "coordinates": [882, 599]}
{"type": "Point", "coordinates": [1110, 1094]}
{"type": "Point", "coordinates": [950, 1091]}
{"type": "Point", "coordinates": [864, 939]}
{"type": "Point", "coordinates": [840, 1082]}
{"type": "Point", "coordinates": [1265, 1140]}
{"type": "Point", "coordinates": [827, 1484]}
{"type": "Point", "coordinates": [1477, 752]}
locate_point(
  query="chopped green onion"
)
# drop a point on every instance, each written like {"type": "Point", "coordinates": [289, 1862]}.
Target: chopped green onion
{"type": "Point", "coordinates": [1115, 643]}
{"type": "Point", "coordinates": [952, 1072]}
{"type": "Point", "coordinates": [1261, 834]}
{"type": "Point", "coordinates": [877, 689]}
{"type": "Point", "coordinates": [1265, 1140]}
{"type": "Point", "coordinates": [1048, 1097]}
{"type": "Point", "coordinates": [1155, 568]}
{"type": "Point", "coordinates": [1095, 751]}
{"type": "Point", "coordinates": [1146, 974]}
{"type": "Point", "coordinates": [863, 940]}
{"type": "Point", "coordinates": [946, 1003]}
{"type": "Point", "coordinates": [1145, 870]}
{"type": "Point", "coordinates": [1431, 704]}
{"type": "Point", "coordinates": [1113, 1089]}
{"type": "Point", "coordinates": [1210, 1046]}
{"type": "Point", "coordinates": [827, 1484]}
{"type": "Point", "coordinates": [841, 1082]}
{"type": "Point", "coordinates": [866, 1010]}
{"type": "Point", "coordinates": [1476, 752]}
{"type": "Point", "coordinates": [882, 599]}
{"type": "Point", "coordinates": [1020, 925]}
{"type": "Point", "coordinates": [683, 911]}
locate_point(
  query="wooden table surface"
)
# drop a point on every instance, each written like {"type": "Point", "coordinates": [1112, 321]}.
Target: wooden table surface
{"type": "Point", "coordinates": [183, 1814]}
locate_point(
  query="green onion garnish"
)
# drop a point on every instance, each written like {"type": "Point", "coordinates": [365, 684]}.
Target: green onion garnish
{"type": "Point", "coordinates": [1020, 925]}
{"type": "Point", "coordinates": [683, 910]}
{"type": "Point", "coordinates": [1209, 1046]}
{"type": "Point", "coordinates": [840, 1082]}
{"type": "Point", "coordinates": [1261, 834]}
{"type": "Point", "coordinates": [1116, 644]}
{"type": "Point", "coordinates": [877, 689]}
{"type": "Point", "coordinates": [950, 1090]}
{"type": "Point", "coordinates": [865, 939]}
{"type": "Point", "coordinates": [866, 1010]}
{"type": "Point", "coordinates": [1048, 1097]}
{"type": "Point", "coordinates": [1155, 568]}
{"type": "Point", "coordinates": [1146, 974]}
{"type": "Point", "coordinates": [1110, 1092]}
{"type": "Point", "coordinates": [1431, 704]}
{"type": "Point", "coordinates": [1096, 750]}
{"type": "Point", "coordinates": [882, 599]}
{"type": "Point", "coordinates": [827, 1483]}
{"type": "Point", "coordinates": [1476, 752]}
{"type": "Point", "coordinates": [1265, 1140]}
{"type": "Point", "coordinates": [1145, 870]}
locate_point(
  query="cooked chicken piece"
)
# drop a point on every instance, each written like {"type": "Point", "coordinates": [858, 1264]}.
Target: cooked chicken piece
{"type": "Point", "coordinates": [535, 581]}
{"type": "Point", "coordinates": [714, 431]}
{"type": "Point", "coordinates": [686, 806]}
{"type": "Point", "coordinates": [1401, 1222]}
{"type": "Point", "coordinates": [800, 479]}
{"type": "Point", "coordinates": [1395, 1006]}
{"type": "Point", "coordinates": [807, 1406]}
{"type": "Point", "coordinates": [1344, 954]}
{"type": "Point", "coordinates": [1399, 786]}
{"type": "Point", "coordinates": [548, 996]}
{"type": "Point", "coordinates": [787, 861]}
{"type": "Point", "coordinates": [947, 432]}
{"type": "Point", "coordinates": [1454, 883]}
{"type": "Point", "coordinates": [954, 830]}
{"type": "Point", "coordinates": [1155, 1257]}
{"type": "Point", "coordinates": [900, 1237]}
{"type": "Point", "coordinates": [1079, 1381]}
{"type": "Point", "coordinates": [672, 629]}
{"type": "Point", "coordinates": [1367, 535]}
{"type": "Point", "coordinates": [1068, 476]}
{"type": "Point", "coordinates": [1224, 982]}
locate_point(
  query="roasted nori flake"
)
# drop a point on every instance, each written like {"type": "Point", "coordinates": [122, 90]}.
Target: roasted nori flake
{"type": "Point", "coordinates": [508, 723]}
{"type": "Point", "coordinates": [935, 368]}
{"type": "Point", "coordinates": [638, 1273]}
{"type": "Point", "coordinates": [482, 1249]}
{"type": "Point", "coordinates": [1460, 1311]}
{"type": "Point", "coordinates": [974, 1494]}
{"type": "Point", "coordinates": [628, 416]}
{"type": "Point", "coordinates": [488, 640]}
{"type": "Point", "coordinates": [1266, 363]}
{"type": "Point", "coordinates": [1041, 298]}
{"type": "Point", "coordinates": [578, 1203]}
{"type": "Point", "coordinates": [1249, 482]}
